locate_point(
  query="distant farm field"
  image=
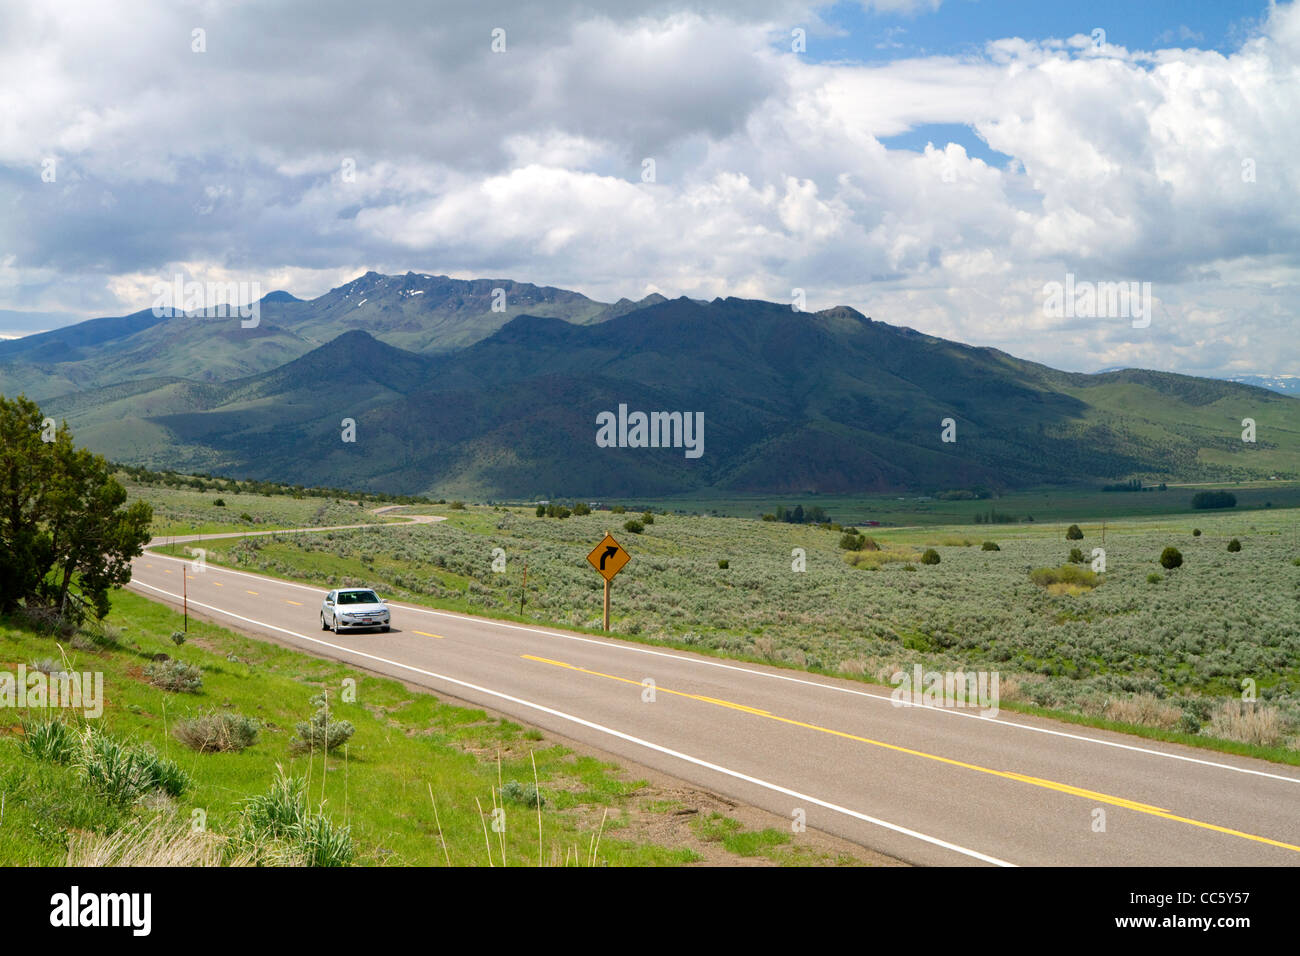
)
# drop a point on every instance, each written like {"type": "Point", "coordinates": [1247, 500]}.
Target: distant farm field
{"type": "Point", "coordinates": [1166, 649]}
{"type": "Point", "coordinates": [1026, 507]}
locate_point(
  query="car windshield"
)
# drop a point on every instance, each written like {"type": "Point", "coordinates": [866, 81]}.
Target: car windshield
{"type": "Point", "coordinates": [358, 597]}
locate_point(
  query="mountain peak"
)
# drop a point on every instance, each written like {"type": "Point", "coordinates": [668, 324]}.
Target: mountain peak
{"type": "Point", "coordinates": [844, 312]}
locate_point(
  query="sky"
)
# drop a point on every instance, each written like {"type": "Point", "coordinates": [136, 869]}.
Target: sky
{"type": "Point", "coordinates": [936, 164]}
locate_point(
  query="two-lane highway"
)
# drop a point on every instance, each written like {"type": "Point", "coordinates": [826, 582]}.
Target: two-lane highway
{"type": "Point", "coordinates": [926, 784]}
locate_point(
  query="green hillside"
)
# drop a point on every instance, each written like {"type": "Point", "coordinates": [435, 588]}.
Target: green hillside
{"type": "Point", "coordinates": [417, 312]}
{"type": "Point", "coordinates": [793, 403]}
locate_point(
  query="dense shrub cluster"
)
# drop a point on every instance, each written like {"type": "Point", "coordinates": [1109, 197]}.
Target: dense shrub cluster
{"type": "Point", "coordinates": [1214, 499]}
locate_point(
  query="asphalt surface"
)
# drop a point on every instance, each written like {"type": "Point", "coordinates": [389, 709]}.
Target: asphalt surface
{"type": "Point", "coordinates": [929, 785]}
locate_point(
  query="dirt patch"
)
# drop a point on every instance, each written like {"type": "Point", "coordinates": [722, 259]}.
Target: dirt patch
{"type": "Point", "coordinates": [667, 813]}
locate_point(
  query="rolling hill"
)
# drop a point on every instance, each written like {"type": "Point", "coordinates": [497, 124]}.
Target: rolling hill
{"type": "Point", "coordinates": [452, 398]}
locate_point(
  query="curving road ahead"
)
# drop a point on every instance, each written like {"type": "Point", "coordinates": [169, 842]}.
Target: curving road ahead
{"type": "Point", "coordinates": [924, 784]}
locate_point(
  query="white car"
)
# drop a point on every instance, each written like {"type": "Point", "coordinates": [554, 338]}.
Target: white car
{"type": "Point", "coordinates": [352, 608]}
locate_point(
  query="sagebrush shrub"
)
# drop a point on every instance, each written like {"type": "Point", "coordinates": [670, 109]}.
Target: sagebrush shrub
{"type": "Point", "coordinates": [175, 676]}
{"type": "Point", "coordinates": [216, 732]}
{"type": "Point", "coordinates": [322, 732]}
{"type": "Point", "coordinates": [516, 792]}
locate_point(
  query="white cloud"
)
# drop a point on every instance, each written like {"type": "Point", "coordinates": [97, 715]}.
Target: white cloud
{"type": "Point", "coordinates": [311, 142]}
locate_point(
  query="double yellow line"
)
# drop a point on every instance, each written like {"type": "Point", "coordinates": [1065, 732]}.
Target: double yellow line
{"type": "Point", "coordinates": [1092, 795]}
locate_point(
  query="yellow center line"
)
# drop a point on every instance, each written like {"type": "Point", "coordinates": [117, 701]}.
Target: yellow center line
{"type": "Point", "coordinates": [254, 593]}
{"type": "Point", "coordinates": [294, 603]}
{"type": "Point", "coordinates": [167, 570]}
{"type": "Point", "coordinates": [218, 584]}
{"type": "Point", "coordinates": [427, 634]}
{"type": "Point", "coordinates": [1006, 774]}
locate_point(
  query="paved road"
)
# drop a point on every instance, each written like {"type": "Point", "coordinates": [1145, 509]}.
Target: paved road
{"type": "Point", "coordinates": [925, 784]}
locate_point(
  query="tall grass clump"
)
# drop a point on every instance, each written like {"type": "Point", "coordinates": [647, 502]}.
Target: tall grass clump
{"type": "Point", "coordinates": [279, 828]}
{"type": "Point", "coordinates": [122, 772]}
{"type": "Point", "coordinates": [48, 739]}
{"type": "Point", "coordinates": [1248, 723]}
{"type": "Point", "coordinates": [873, 557]}
{"type": "Point", "coordinates": [1067, 579]}
{"type": "Point", "coordinates": [154, 841]}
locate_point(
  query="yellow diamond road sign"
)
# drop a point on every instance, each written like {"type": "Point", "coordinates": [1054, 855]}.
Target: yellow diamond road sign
{"type": "Point", "coordinates": [608, 557]}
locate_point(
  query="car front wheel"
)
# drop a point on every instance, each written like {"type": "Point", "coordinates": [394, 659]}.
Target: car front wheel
{"type": "Point", "coordinates": [323, 625]}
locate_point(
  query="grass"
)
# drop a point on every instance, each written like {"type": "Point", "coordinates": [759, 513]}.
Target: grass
{"type": "Point", "coordinates": [1067, 579]}
{"type": "Point", "coordinates": [1053, 504]}
{"type": "Point", "coordinates": [767, 843]}
{"type": "Point", "coordinates": [182, 512]}
{"type": "Point", "coordinates": [415, 784]}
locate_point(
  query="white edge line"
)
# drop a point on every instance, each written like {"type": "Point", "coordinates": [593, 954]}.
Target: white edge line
{"type": "Point", "coordinates": [975, 854]}
{"type": "Point", "coordinates": [470, 618]}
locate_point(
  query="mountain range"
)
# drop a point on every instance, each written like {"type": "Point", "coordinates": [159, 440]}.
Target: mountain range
{"type": "Point", "coordinates": [449, 396]}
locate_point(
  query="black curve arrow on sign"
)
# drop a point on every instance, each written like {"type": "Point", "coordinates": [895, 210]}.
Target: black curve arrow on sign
{"type": "Point", "coordinates": [609, 553]}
